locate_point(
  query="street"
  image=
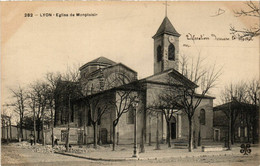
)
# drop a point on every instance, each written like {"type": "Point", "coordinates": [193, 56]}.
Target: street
{"type": "Point", "coordinates": [20, 156]}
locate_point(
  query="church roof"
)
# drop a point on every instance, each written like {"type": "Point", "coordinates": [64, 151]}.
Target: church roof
{"type": "Point", "coordinates": [99, 60]}
{"type": "Point", "coordinates": [233, 104]}
{"type": "Point", "coordinates": [103, 60]}
{"type": "Point", "coordinates": [166, 28]}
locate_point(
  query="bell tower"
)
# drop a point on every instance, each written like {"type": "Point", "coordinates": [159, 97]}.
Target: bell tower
{"type": "Point", "coordinates": [166, 47]}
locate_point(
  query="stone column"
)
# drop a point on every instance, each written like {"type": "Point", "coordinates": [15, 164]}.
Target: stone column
{"type": "Point", "coordinates": [179, 125]}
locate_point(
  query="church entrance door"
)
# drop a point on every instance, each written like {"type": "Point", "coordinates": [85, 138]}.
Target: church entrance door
{"type": "Point", "coordinates": [173, 130]}
{"type": "Point", "coordinates": [104, 135]}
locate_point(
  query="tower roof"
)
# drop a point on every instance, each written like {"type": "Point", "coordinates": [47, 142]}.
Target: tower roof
{"type": "Point", "coordinates": [166, 28]}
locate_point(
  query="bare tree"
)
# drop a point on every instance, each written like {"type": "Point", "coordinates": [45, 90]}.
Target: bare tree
{"type": "Point", "coordinates": [122, 99]}
{"type": "Point", "coordinates": [37, 97]}
{"type": "Point", "coordinates": [6, 123]}
{"type": "Point", "coordinates": [7, 116]}
{"type": "Point", "coordinates": [32, 105]}
{"type": "Point", "coordinates": [41, 91]}
{"type": "Point", "coordinates": [52, 81]}
{"type": "Point", "coordinates": [253, 98]}
{"type": "Point", "coordinates": [121, 104]}
{"type": "Point", "coordinates": [192, 97]}
{"type": "Point", "coordinates": [252, 10]}
{"type": "Point", "coordinates": [150, 114]}
{"type": "Point", "coordinates": [97, 107]}
{"type": "Point", "coordinates": [20, 99]}
{"type": "Point", "coordinates": [153, 111]}
{"type": "Point", "coordinates": [68, 88]}
{"type": "Point", "coordinates": [232, 95]}
{"type": "Point", "coordinates": [168, 103]}
{"type": "Point", "coordinates": [72, 73]}
{"type": "Point", "coordinates": [241, 101]}
{"type": "Point", "coordinates": [65, 93]}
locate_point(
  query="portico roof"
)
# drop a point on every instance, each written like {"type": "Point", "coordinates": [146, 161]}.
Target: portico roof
{"type": "Point", "coordinates": [178, 78]}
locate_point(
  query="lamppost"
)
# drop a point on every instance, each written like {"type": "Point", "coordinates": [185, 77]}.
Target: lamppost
{"type": "Point", "coordinates": [135, 105]}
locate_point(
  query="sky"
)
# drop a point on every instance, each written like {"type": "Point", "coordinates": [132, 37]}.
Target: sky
{"type": "Point", "coordinates": [122, 32]}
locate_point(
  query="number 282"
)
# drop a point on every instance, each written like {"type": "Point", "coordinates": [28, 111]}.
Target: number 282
{"type": "Point", "coordinates": [28, 15]}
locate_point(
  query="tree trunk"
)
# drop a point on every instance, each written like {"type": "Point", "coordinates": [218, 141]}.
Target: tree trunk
{"type": "Point", "coordinates": [190, 135]}
{"type": "Point", "coordinates": [38, 130]}
{"type": "Point", "coordinates": [85, 132]}
{"type": "Point", "coordinates": [7, 137]}
{"type": "Point", "coordinates": [248, 133]}
{"type": "Point", "coordinates": [2, 128]}
{"type": "Point", "coordinates": [229, 133]}
{"type": "Point", "coordinates": [150, 134]}
{"type": "Point", "coordinates": [157, 134]}
{"type": "Point", "coordinates": [34, 128]}
{"type": "Point", "coordinates": [169, 134]}
{"type": "Point", "coordinates": [114, 136]}
{"type": "Point", "coordinates": [232, 134]}
{"type": "Point", "coordinates": [10, 128]}
{"type": "Point", "coordinates": [199, 139]}
{"type": "Point", "coordinates": [68, 139]}
{"type": "Point", "coordinates": [21, 130]}
{"type": "Point", "coordinates": [68, 134]}
{"type": "Point", "coordinates": [43, 135]}
{"type": "Point", "coordinates": [117, 138]}
{"type": "Point", "coordinates": [52, 126]}
{"type": "Point", "coordinates": [95, 135]}
{"type": "Point", "coordinates": [85, 135]}
{"type": "Point", "coordinates": [253, 133]}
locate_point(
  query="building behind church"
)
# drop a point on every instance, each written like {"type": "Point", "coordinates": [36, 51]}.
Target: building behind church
{"type": "Point", "coordinates": [105, 81]}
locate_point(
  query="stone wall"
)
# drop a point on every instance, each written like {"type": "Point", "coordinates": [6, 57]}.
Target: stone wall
{"type": "Point", "coordinates": [152, 94]}
{"type": "Point", "coordinates": [126, 131]}
{"type": "Point", "coordinates": [182, 128]}
{"type": "Point", "coordinates": [206, 131]}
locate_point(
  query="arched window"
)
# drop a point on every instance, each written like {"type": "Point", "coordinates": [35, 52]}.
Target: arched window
{"type": "Point", "coordinates": [171, 52]}
{"type": "Point", "coordinates": [202, 116]}
{"type": "Point", "coordinates": [159, 53]}
{"type": "Point", "coordinates": [130, 116]}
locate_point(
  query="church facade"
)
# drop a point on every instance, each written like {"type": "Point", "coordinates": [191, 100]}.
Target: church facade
{"type": "Point", "coordinates": [109, 88]}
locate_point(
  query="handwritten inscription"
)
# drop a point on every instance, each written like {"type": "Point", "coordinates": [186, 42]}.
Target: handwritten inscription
{"type": "Point", "coordinates": [186, 45]}
{"type": "Point", "coordinates": [219, 12]}
{"type": "Point", "coordinates": [194, 37]}
{"type": "Point", "coordinates": [202, 37]}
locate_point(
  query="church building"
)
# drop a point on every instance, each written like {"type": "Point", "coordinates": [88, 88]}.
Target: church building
{"type": "Point", "coordinates": [109, 90]}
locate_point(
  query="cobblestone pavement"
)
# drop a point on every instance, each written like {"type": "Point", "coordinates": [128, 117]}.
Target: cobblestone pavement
{"type": "Point", "coordinates": [12, 155]}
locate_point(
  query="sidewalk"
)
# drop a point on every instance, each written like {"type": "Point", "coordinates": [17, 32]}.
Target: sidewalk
{"type": "Point", "coordinates": [125, 152]}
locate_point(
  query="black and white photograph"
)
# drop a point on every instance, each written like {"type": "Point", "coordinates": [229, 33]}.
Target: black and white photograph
{"type": "Point", "coordinates": [130, 83]}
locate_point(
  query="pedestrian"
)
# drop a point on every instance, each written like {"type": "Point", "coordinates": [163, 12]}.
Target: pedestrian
{"type": "Point", "coordinates": [55, 140]}
{"type": "Point", "coordinates": [31, 139]}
